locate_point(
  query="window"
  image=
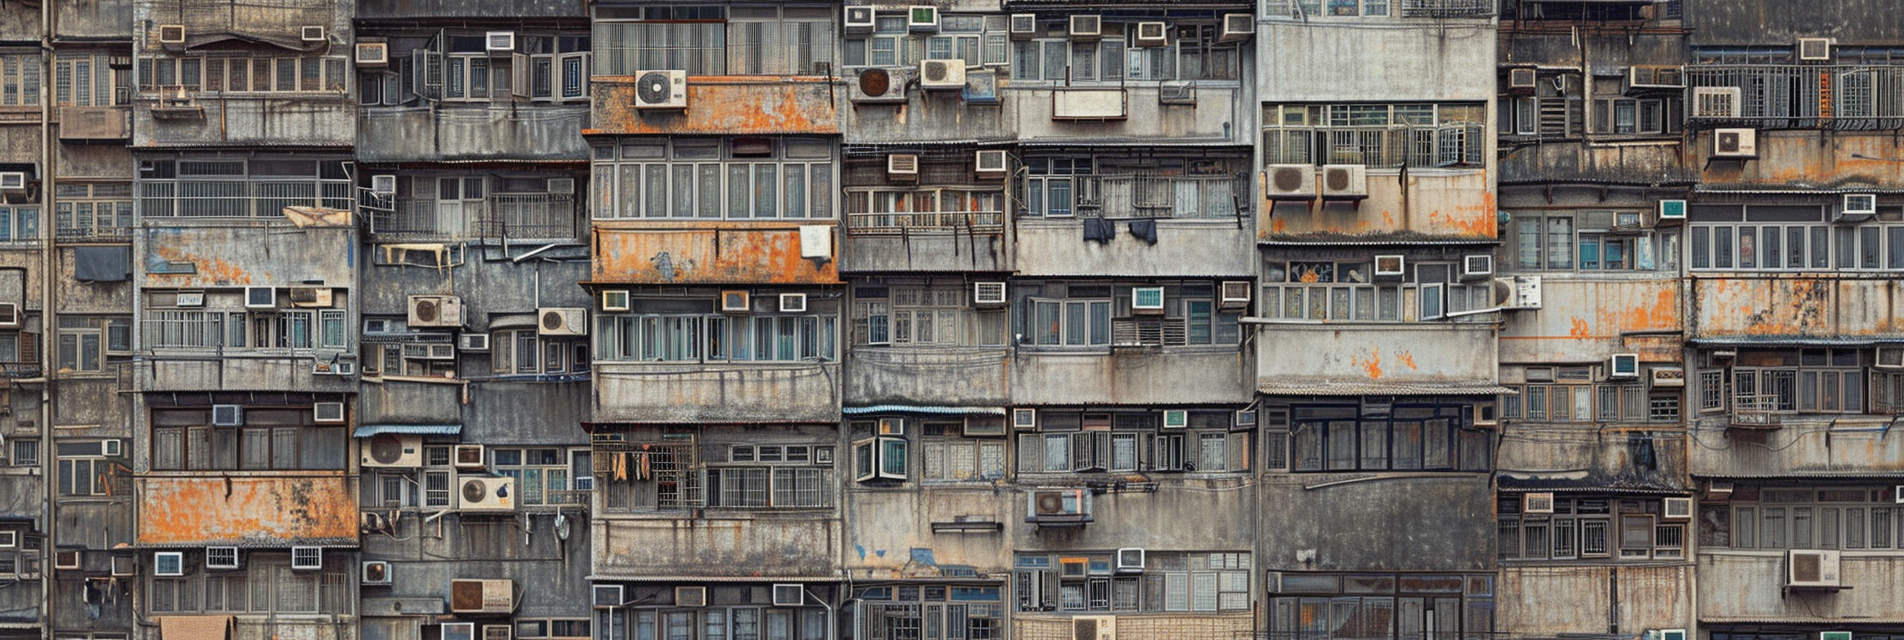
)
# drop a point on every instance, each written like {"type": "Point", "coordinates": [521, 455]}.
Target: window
{"type": "Point", "coordinates": [1764, 381]}
{"type": "Point", "coordinates": [1192, 53]}
{"type": "Point", "coordinates": [1377, 135]}
{"type": "Point", "coordinates": [25, 453]}
{"type": "Point", "coordinates": [19, 80]}
{"type": "Point", "coordinates": [923, 316]}
{"type": "Point", "coordinates": [1328, 291]}
{"type": "Point", "coordinates": [254, 74]}
{"type": "Point", "coordinates": [1601, 403]}
{"type": "Point", "coordinates": [978, 40]}
{"type": "Point", "coordinates": [1063, 187]}
{"type": "Point", "coordinates": [1427, 436]}
{"type": "Point", "coordinates": [259, 187]}
{"type": "Point", "coordinates": [1796, 247]}
{"type": "Point", "coordinates": [85, 470]}
{"type": "Point", "coordinates": [1551, 243]}
{"type": "Point", "coordinates": [97, 211]}
{"type": "Point", "coordinates": [892, 210]}
{"type": "Point", "coordinates": [84, 80]}
{"type": "Point", "coordinates": [895, 612]}
{"type": "Point", "coordinates": [1341, 606]}
{"type": "Point", "coordinates": [715, 338]}
{"type": "Point", "coordinates": [1172, 581]}
{"type": "Point", "coordinates": [746, 178]}
{"type": "Point", "coordinates": [881, 458]}
{"type": "Point", "coordinates": [271, 438]}
{"type": "Point", "coordinates": [711, 40]}
{"type": "Point", "coordinates": [542, 475]}
{"type": "Point", "coordinates": [1764, 517]}
{"type": "Point", "coordinates": [1782, 95]}
{"type": "Point", "coordinates": [1132, 441]}
{"type": "Point", "coordinates": [409, 358]}
{"type": "Point", "coordinates": [525, 352]}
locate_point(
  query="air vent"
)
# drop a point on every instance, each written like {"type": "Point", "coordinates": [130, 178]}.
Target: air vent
{"type": "Point", "coordinates": [661, 89]}
{"type": "Point", "coordinates": [473, 342]}
{"type": "Point", "coordinates": [560, 186]}
{"type": "Point", "coordinates": [939, 75]}
{"type": "Point", "coordinates": [1538, 503]}
{"type": "Point", "coordinates": [328, 412]}
{"type": "Point", "coordinates": [988, 293]}
{"type": "Point", "coordinates": [1477, 266]}
{"type": "Point", "coordinates": [607, 596]}
{"type": "Point", "coordinates": [13, 181]}
{"type": "Point", "coordinates": [1024, 418]}
{"type": "Point", "coordinates": [614, 300]}
{"type": "Point", "coordinates": [1147, 300]}
{"type": "Point", "coordinates": [307, 558]}
{"type": "Point", "coordinates": [467, 456]}
{"type": "Point", "coordinates": [902, 165]}
{"type": "Point", "coordinates": [221, 557]}
{"type": "Point", "coordinates": [383, 184]}
{"type": "Point", "coordinates": [1130, 560]}
{"type": "Point", "coordinates": [1814, 49]}
{"type": "Point", "coordinates": [1715, 102]}
{"type": "Point", "coordinates": [1676, 509]}
{"type": "Point", "coordinates": [9, 314]}
{"type": "Point", "coordinates": [1176, 419]}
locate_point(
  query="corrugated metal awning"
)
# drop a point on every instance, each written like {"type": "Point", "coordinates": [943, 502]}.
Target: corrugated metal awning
{"type": "Point", "coordinates": [1795, 341]}
{"type": "Point", "coordinates": [1272, 387]}
{"type": "Point", "coordinates": [1577, 482]}
{"type": "Point", "coordinates": [194, 627]}
{"type": "Point", "coordinates": [930, 410]}
{"type": "Point", "coordinates": [1804, 475]}
{"type": "Point", "coordinates": [692, 579]}
{"type": "Point", "coordinates": [1834, 623]}
{"type": "Point", "coordinates": [1373, 240]}
{"type": "Point", "coordinates": [369, 430]}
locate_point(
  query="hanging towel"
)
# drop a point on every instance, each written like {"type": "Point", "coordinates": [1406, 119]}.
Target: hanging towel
{"type": "Point", "coordinates": [1145, 230]}
{"type": "Point", "coordinates": [1099, 230]}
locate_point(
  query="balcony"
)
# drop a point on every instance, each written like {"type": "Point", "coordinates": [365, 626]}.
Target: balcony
{"type": "Point", "coordinates": [1216, 374]}
{"type": "Point", "coordinates": [178, 117]}
{"type": "Point", "coordinates": [663, 392]}
{"type": "Point", "coordinates": [1447, 8]}
{"type": "Point", "coordinates": [720, 105]}
{"type": "Point", "coordinates": [257, 255]}
{"type": "Point", "coordinates": [511, 216]}
{"type": "Point", "coordinates": [412, 10]}
{"type": "Point", "coordinates": [1766, 96]}
{"type": "Point", "coordinates": [920, 375]}
{"type": "Point", "coordinates": [272, 508]}
{"type": "Point", "coordinates": [694, 252]}
{"type": "Point", "coordinates": [1183, 247]}
{"type": "Point", "coordinates": [1378, 354]}
{"type": "Point", "coordinates": [440, 133]}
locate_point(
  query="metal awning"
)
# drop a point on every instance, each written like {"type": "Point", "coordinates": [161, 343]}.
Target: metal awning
{"type": "Point", "coordinates": [930, 410]}
{"type": "Point", "coordinates": [1804, 475]}
{"type": "Point", "coordinates": [694, 579]}
{"type": "Point", "coordinates": [1270, 387]}
{"type": "Point", "coordinates": [194, 627]}
{"type": "Point", "coordinates": [369, 430]}
{"type": "Point", "coordinates": [1795, 341]}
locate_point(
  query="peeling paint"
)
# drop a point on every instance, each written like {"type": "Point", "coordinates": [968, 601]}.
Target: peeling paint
{"type": "Point", "coordinates": [709, 253]}
{"type": "Point", "coordinates": [727, 105]}
{"type": "Point", "coordinates": [273, 509]}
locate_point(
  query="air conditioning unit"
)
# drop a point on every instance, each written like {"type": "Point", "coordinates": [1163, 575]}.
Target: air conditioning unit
{"type": "Point", "coordinates": [13, 181]}
{"type": "Point", "coordinates": [989, 163]}
{"type": "Point", "coordinates": [497, 631]}
{"type": "Point", "coordinates": [793, 303]}
{"type": "Point", "coordinates": [1058, 506]}
{"type": "Point", "coordinates": [789, 595]}
{"type": "Point", "coordinates": [122, 566]}
{"type": "Point", "coordinates": [1674, 210]}
{"type": "Point", "coordinates": [171, 34]}
{"type": "Point", "coordinates": [1624, 365]}
{"type": "Point", "coordinates": [607, 596]}
{"type": "Point", "coordinates": [1344, 182]}
{"type": "Point", "coordinates": [261, 298]}
{"type": "Point", "coordinates": [473, 342]}
{"type": "Point", "coordinates": [562, 321]}
{"type": "Point", "coordinates": [1094, 628]}
{"type": "Point", "coordinates": [313, 297]}
{"type": "Point", "coordinates": [1237, 27]}
{"type": "Point", "coordinates": [1130, 560]}
{"type": "Point", "coordinates": [1735, 143]}
{"type": "Point", "coordinates": [1151, 34]}
{"type": "Point", "coordinates": [879, 85]}
{"type": "Point", "coordinates": [372, 54]}
{"type": "Point", "coordinates": [383, 184]}
{"type": "Point", "coordinates": [1857, 207]}
{"type": "Point", "coordinates": [227, 415]}
{"type": "Point", "coordinates": [168, 563]}
{"type": "Point", "coordinates": [312, 34]}
{"type": "Point", "coordinates": [9, 314]}
{"type": "Point", "coordinates": [922, 18]}
{"type": "Point", "coordinates": [1517, 292]}
{"type": "Point", "coordinates": [503, 42]}
{"type": "Point", "coordinates": [458, 631]}
{"type": "Point", "coordinates": [112, 447]}
{"type": "Point", "coordinates": [1811, 568]}
{"type": "Point", "coordinates": [1234, 294]}
{"type": "Point", "coordinates": [1486, 414]}
{"type": "Point", "coordinates": [1295, 182]}
{"type": "Point", "coordinates": [1814, 49]}
{"type": "Point", "coordinates": [1024, 418]}
{"type": "Point", "coordinates": [690, 596]}
{"type": "Point", "coordinates": [1086, 27]}
{"type": "Point", "coordinates": [386, 450]}
{"type": "Point", "coordinates": [436, 311]}
{"type": "Point", "coordinates": [485, 493]}
{"type": "Point", "coordinates": [1024, 26]}
{"type": "Point", "coordinates": [1522, 81]}
{"type": "Point", "coordinates": [71, 560]}
{"type": "Point", "coordinates": [1654, 77]}
{"type": "Point", "coordinates": [1538, 503]}
{"type": "Point", "coordinates": [307, 558]}
{"type": "Point", "coordinates": [859, 20]}
{"type": "Point", "coordinates": [221, 557]}
{"type": "Point", "coordinates": [1147, 300]}
{"type": "Point", "coordinates": [1390, 266]}
{"type": "Point", "coordinates": [468, 456]}
{"type": "Point", "coordinates": [1668, 377]}
{"type": "Point", "coordinates": [327, 412]}
{"type": "Point", "coordinates": [1890, 358]}
{"type": "Point", "coordinates": [661, 89]}
{"type": "Point", "coordinates": [1176, 419]}
{"type": "Point", "coordinates": [942, 74]}
{"type": "Point", "coordinates": [902, 166]}
{"type": "Point", "coordinates": [1715, 102]}
{"type": "Point", "coordinates": [1244, 419]}
{"type": "Point", "coordinates": [736, 301]}
{"type": "Point", "coordinates": [1676, 509]}
{"type": "Point", "coordinates": [1477, 266]}
{"type": "Point", "coordinates": [614, 300]}
{"type": "Point", "coordinates": [482, 596]}
{"type": "Point", "coordinates": [374, 572]}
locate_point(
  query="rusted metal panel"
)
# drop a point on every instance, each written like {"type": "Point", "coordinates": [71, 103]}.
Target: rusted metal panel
{"type": "Point", "coordinates": [886, 375]}
{"type": "Point", "coordinates": [1795, 306]}
{"type": "Point", "coordinates": [710, 253]}
{"type": "Point", "coordinates": [689, 393]}
{"type": "Point", "coordinates": [1808, 445]}
{"type": "Point", "coordinates": [1167, 375]}
{"type": "Point", "coordinates": [1737, 585]}
{"type": "Point", "coordinates": [1201, 626]}
{"type": "Point", "coordinates": [1585, 319]}
{"type": "Point", "coordinates": [766, 548]}
{"type": "Point", "coordinates": [723, 105]}
{"type": "Point", "coordinates": [1457, 203]}
{"type": "Point", "coordinates": [248, 256]}
{"type": "Point", "coordinates": [265, 122]}
{"type": "Point", "coordinates": [424, 134]}
{"type": "Point", "coordinates": [279, 509]}
{"type": "Point", "coordinates": [1543, 601]}
{"type": "Point", "coordinates": [1384, 353]}
{"type": "Point", "coordinates": [1804, 160]}
{"type": "Point", "coordinates": [1184, 248]}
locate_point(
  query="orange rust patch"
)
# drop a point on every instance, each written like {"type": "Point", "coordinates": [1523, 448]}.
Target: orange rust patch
{"type": "Point", "coordinates": [1580, 329]}
{"type": "Point", "coordinates": [205, 510]}
{"type": "Point", "coordinates": [721, 105]}
{"type": "Point", "coordinates": [1407, 359]}
{"type": "Point", "coordinates": [1371, 366]}
{"type": "Point", "coordinates": [716, 253]}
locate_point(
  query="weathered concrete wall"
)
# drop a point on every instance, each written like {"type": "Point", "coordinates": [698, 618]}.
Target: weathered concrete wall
{"type": "Point", "coordinates": [688, 393]}
{"type": "Point", "coordinates": [1219, 116]}
{"type": "Point", "coordinates": [1583, 318]}
{"type": "Point", "coordinates": [94, 19]}
{"type": "Point", "coordinates": [247, 254]}
{"type": "Point", "coordinates": [1772, 22]}
{"type": "Point", "coordinates": [1794, 306]}
{"type": "Point", "coordinates": [1220, 507]}
{"type": "Point", "coordinates": [1813, 445]}
{"type": "Point", "coordinates": [724, 105]}
{"type": "Point", "coordinates": [550, 573]}
{"type": "Point", "coordinates": [93, 160]}
{"type": "Point", "coordinates": [498, 132]}
{"type": "Point", "coordinates": [1807, 160]}
{"type": "Point", "coordinates": [1377, 353]}
{"type": "Point", "coordinates": [1664, 162]}
{"type": "Point", "coordinates": [885, 526]}
{"type": "Point", "coordinates": [1442, 202]}
{"type": "Point", "coordinates": [886, 375]}
{"type": "Point", "coordinates": [710, 253]}
{"type": "Point", "coordinates": [488, 282]}
{"type": "Point", "coordinates": [505, 413]}
{"type": "Point", "coordinates": [929, 115]}
{"type": "Point", "coordinates": [234, 372]}
{"type": "Point", "coordinates": [277, 19]}
{"type": "Point", "coordinates": [84, 297]}
{"type": "Point", "coordinates": [328, 121]}
{"type": "Point", "coordinates": [280, 508]}
{"type": "Point", "coordinates": [1373, 523]}
{"type": "Point", "coordinates": [764, 546]}
{"type": "Point", "coordinates": [1172, 375]}
{"type": "Point", "coordinates": [1546, 600]}
{"type": "Point", "coordinates": [1592, 455]}
{"type": "Point", "coordinates": [1400, 60]}
{"type": "Point", "coordinates": [926, 251]}
{"type": "Point", "coordinates": [22, 140]}
{"type": "Point", "coordinates": [1184, 248]}
{"type": "Point", "coordinates": [1741, 584]}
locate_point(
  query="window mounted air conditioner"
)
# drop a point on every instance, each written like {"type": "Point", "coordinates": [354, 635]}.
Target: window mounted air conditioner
{"type": "Point", "coordinates": [1237, 27]}
{"type": "Point", "coordinates": [1151, 34]}
{"type": "Point", "coordinates": [122, 566]}
{"type": "Point", "coordinates": [859, 20]}
{"type": "Point", "coordinates": [988, 293]}
{"type": "Point", "coordinates": [661, 89]}
{"type": "Point", "coordinates": [1857, 207]}
{"type": "Point", "coordinates": [497, 631]}
{"type": "Point", "coordinates": [375, 572]}
{"type": "Point", "coordinates": [499, 42]}
{"type": "Point", "coordinates": [171, 34]}
{"type": "Point", "coordinates": [1814, 49]}
{"type": "Point", "coordinates": [873, 86]}
{"type": "Point", "coordinates": [221, 557]}
{"type": "Point", "coordinates": [261, 298]}
{"type": "Point", "coordinates": [1147, 300]}
{"type": "Point", "coordinates": [1715, 102]}
{"type": "Point", "coordinates": [607, 596]}
{"type": "Point", "coordinates": [789, 595]}
{"type": "Point", "coordinates": [922, 18]}
{"type": "Point", "coordinates": [793, 303]}
{"type": "Point", "coordinates": [1086, 27]}
{"type": "Point", "coordinates": [1176, 419]}
{"type": "Point", "coordinates": [989, 163]}
{"type": "Point", "coordinates": [372, 54]}
{"type": "Point", "coordinates": [1234, 294]}
{"type": "Point", "coordinates": [1344, 182]}
{"type": "Point", "coordinates": [1476, 267]}
{"type": "Point", "coordinates": [168, 563]}
{"type": "Point", "coordinates": [1538, 503]}
{"type": "Point", "coordinates": [1654, 77]}
{"type": "Point", "coordinates": [1676, 508]}
{"type": "Point", "coordinates": [1024, 418]}
{"type": "Point", "coordinates": [482, 596]}
{"type": "Point", "coordinates": [383, 184]}
{"type": "Point", "coordinates": [71, 560]}
{"type": "Point", "coordinates": [1522, 81]}
{"type": "Point", "coordinates": [1024, 26]}
{"type": "Point", "coordinates": [1130, 560]}
{"type": "Point", "coordinates": [1486, 415]}
{"type": "Point", "coordinates": [1624, 365]}
{"type": "Point", "coordinates": [1390, 266]}
{"type": "Point", "coordinates": [1811, 568]}
{"type": "Point", "coordinates": [484, 493]}
{"type": "Point", "coordinates": [112, 447]}
{"type": "Point", "coordinates": [473, 342]}
{"type": "Point", "coordinates": [391, 451]}
{"type": "Point", "coordinates": [467, 456]}
{"type": "Point", "coordinates": [690, 596]}
{"type": "Point", "coordinates": [311, 297]}
{"type": "Point", "coordinates": [312, 34]}
{"type": "Point", "coordinates": [13, 181]}
{"type": "Point", "coordinates": [227, 415]}
{"type": "Point", "coordinates": [562, 321]}
{"type": "Point", "coordinates": [307, 558]}
{"type": "Point", "coordinates": [902, 166]}
{"type": "Point", "coordinates": [458, 631]}
{"type": "Point", "coordinates": [327, 412]}
{"type": "Point", "coordinates": [1735, 143]}
{"type": "Point", "coordinates": [436, 311]}
{"type": "Point", "coordinates": [614, 300]}
{"type": "Point", "coordinates": [1673, 210]}
{"type": "Point", "coordinates": [736, 302]}
{"type": "Point", "coordinates": [1291, 182]}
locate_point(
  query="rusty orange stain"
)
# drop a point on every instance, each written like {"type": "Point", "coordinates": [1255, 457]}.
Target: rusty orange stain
{"type": "Point", "coordinates": [1407, 358]}
{"type": "Point", "coordinates": [708, 253]}
{"type": "Point", "coordinates": [199, 510]}
{"type": "Point", "coordinates": [1579, 329]}
{"type": "Point", "coordinates": [721, 105]}
{"type": "Point", "coordinates": [1371, 365]}
{"type": "Point", "coordinates": [1278, 225]}
{"type": "Point", "coordinates": [1388, 219]}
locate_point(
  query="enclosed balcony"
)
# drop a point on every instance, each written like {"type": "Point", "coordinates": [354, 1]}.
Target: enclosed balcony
{"type": "Point", "coordinates": [269, 508]}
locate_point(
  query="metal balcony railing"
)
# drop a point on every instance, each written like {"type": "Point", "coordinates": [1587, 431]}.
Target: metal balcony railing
{"type": "Point", "coordinates": [873, 223]}
{"type": "Point", "coordinates": [533, 215]}
{"type": "Point", "coordinates": [1774, 96]}
{"type": "Point", "coordinates": [1447, 8]}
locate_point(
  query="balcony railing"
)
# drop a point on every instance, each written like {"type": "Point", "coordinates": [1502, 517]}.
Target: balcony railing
{"type": "Point", "coordinates": [529, 215]}
{"type": "Point", "coordinates": [1755, 412]}
{"type": "Point", "coordinates": [239, 198]}
{"type": "Point", "coordinates": [1127, 196]}
{"type": "Point", "coordinates": [1769, 96]}
{"type": "Point", "coordinates": [877, 223]}
{"type": "Point", "coordinates": [1447, 8]}
{"type": "Point", "coordinates": [536, 215]}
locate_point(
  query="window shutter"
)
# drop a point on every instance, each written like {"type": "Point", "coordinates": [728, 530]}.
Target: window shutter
{"type": "Point", "coordinates": [935, 467]}
{"type": "Point", "coordinates": [519, 75]}
{"type": "Point", "coordinates": [1239, 451]}
{"type": "Point", "coordinates": [1031, 453]}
